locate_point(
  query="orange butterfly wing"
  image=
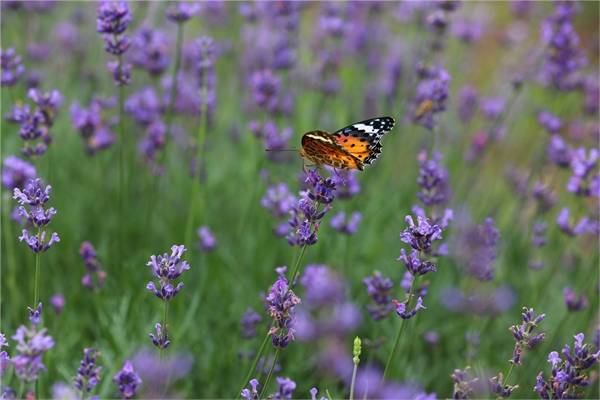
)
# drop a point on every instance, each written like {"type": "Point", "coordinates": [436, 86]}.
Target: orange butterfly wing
{"type": "Point", "coordinates": [362, 139]}
{"type": "Point", "coordinates": [323, 148]}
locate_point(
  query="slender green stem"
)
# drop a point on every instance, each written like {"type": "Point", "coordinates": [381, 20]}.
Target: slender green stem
{"type": "Point", "coordinates": [398, 335]}
{"type": "Point", "coordinates": [164, 325]}
{"type": "Point", "coordinates": [505, 383]}
{"type": "Point", "coordinates": [353, 381]}
{"type": "Point", "coordinates": [254, 364]}
{"type": "Point", "coordinates": [296, 266]}
{"type": "Point", "coordinates": [36, 279]}
{"type": "Point", "coordinates": [199, 160]}
{"type": "Point", "coordinates": [268, 380]}
{"type": "Point", "coordinates": [121, 166]}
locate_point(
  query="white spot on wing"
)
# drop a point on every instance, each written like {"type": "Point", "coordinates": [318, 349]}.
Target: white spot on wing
{"type": "Point", "coordinates": [365, 128]}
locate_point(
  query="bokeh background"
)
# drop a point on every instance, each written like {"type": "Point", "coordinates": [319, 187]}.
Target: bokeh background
{"type": "Point", "coordinates": [258, 75]}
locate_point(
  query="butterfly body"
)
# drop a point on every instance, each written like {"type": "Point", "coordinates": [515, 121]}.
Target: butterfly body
{"type": "Point", "coordinates": [352, 147]}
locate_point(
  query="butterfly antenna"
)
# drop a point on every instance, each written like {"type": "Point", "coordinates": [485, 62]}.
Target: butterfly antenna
{"type": "Point", "coordinates": [274, 150]}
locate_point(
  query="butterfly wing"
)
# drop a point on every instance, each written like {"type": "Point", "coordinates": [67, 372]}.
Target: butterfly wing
{"type": "Point", "coordinates": [362, 139]}
{"type": "Point", "coordinates": [323, 148]}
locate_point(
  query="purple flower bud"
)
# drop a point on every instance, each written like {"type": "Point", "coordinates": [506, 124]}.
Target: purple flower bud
{"type": "Point", "coordinates": [88, 374]}
{"type": "Point", "coordinates": [12, 67]}
{"type": "Point", "coordinates": [207, 239]}
{"type": "Point", "coordinates": [58, 302]}
{"type": "Point", "coordinates": [550, 122]}
{"type": "Point", "coordinates": [574, 302]}
{"type": "Point", "coordinates": [127, 380]}
{"type": "Point", "coordinates": [182, 11]}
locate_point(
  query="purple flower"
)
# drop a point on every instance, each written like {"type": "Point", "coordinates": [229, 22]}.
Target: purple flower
{"type": "Point", "coordinates": [499, 388]}
{"type": "Point", "coordinates": [167, 268]}
{"type": "Point", "coordinates": [465, 385]}
{"type": "Point", "coordinates": [322, 286]}
{"type": "Point", "coordinates": [348, 227]}
{"type": "Point", "coordinates": [275, 139]}
{"type": "Point", "coordinates": [4, 357]}
{"type": "Point", "coordinates": [113, 18]}
{"type": "Point", "coordinates": [591, 90]}
{"type": "Point", "coordinates": [420, 236]}
{"type": "Point", "coordinates": [563, 57]}
{"type": "Point", "coordinates": [525, 335]}
{"type": "Point", "coordinates": [414, 265]}
{"type": "Point", "coordinates": [544, 197]}
{"type": "Point", "coordinates": [281, 302]}
{"type": "Point", "coordinates": [379, 289]}
{"type": "Point", "coordinates": [266, 89]}
{"type": "Point", "coordinates": [585, 224]}
{"type": "Point", "coordinates": [550, 122]}
{"type": "Point", "coordinates": [161, 338]}
{"type": "Point", "coordinates": [346, 184]}
{"type": "Point", "coordinates": [95, 276]}
{"type": "Point", "coordinates": [559, 152]}
{"type": "Point", "coordinates": [402, 308]}
{"type": "Point", "coordinates": [431, 96]}
{"type": "Point", "coordinates": [475, 247]}
{"type": "Point", "coordinates": [127, 380]}
{"type": "Point", "coordinates": [35, 314]}
{"type": "Point", "coordinates": [252, 393]}
{"type": "Point", "coordinates": [120, 71]}
{"type": "Point", "coordinates": [574, 302]}
{"type": "Point", "coordinates": [182, 11]}
{"type": "Point", "coordinates": [433, 180]}
{"type": "Point", "coordinates": [88, 374]}
{"type": "Point", "coordinates": [12, 67]}
{"type": "Point", "coordinates": [205, 53]}
{"type": "Point", "coordinates": [92, 127]}
{"type": "Point", "coordinates": [467, 31]}
{"type": "Point", "coordinates": [31, 346]}
{"type": "Point", "coordinates": [492, 107]}
{"type": "Point", "coordinates": [478, 302]}
{"type": "Point", "coordinates": [58, 302]}
{"type": "Point", "coordinates": [467, 103]}
{"type": "Point", "coordinates": [144, 106]}
{"type": "Point", "coordinates": [539, 234]}
{"type": "Point", "coordinates": [35, 123]}
{"type": "Point", "coordinates": [285, 388]}
{"type": "Point", "coordinates": [306, 215]}
{"type": "Point", "coordinates": [569, 377]}
{"type": "Point", "coordinates": [160, 372]}
{"type": "Point", "coordinates": [279, 201]}
{"type": "Point", "coordinates": [150, 51]}
{"type": "Point", "coordinates": [207, 239]}
{"type": "Point", "coordinates": [32, 199]}
{"type": "Point", "coordinates": [17, 172]}
{"type": "Point", "coordinates": [249, 322]}
{"type": "Point", "coordinates": [582, 165]}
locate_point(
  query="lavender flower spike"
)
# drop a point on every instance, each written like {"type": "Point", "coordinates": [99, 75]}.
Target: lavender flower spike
{"type": "Point", "coordinates": [524, 333]}
{"type": "Point", "coordinates": [31, 346]}
{"type": "Point", "coordinates": [88, 374]}
{"type": "Point", "coordinates": [420, 236]}
{"type": "Point", "coordinates": [127, 380]}
{"type": "Point", "coordinates": [281, 302]}
{"type": "Point", "coordinates": [252, 393]}
{"type": "Point", "coordinates": [167, 268]}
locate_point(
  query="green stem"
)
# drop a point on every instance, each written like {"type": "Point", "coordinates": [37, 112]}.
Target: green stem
{"type": "Point", "coordinates": [353, 381]}
{"type": "Point", "coordinates": [254, 364]}
{"type": "Point", "coordinates": [200, 148]}
{"type": "Point", "coordinates": [296, 266]}
{"type": "Point", "coordinates": [268, 380]}
{"type": "Point", "coordinates": [398, 335]}
{"type": "Point", "coordinates": [164, 325]}
{"type": "Point", "coordinates": [505, 383]}
{"type": "Point", "coordinates": [36, 279]}
{"type": "Point", "coordinates": [121, 166]}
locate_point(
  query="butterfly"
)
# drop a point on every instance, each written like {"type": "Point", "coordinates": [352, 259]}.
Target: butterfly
{"type": "Point", "coordinates": [352, 147]}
